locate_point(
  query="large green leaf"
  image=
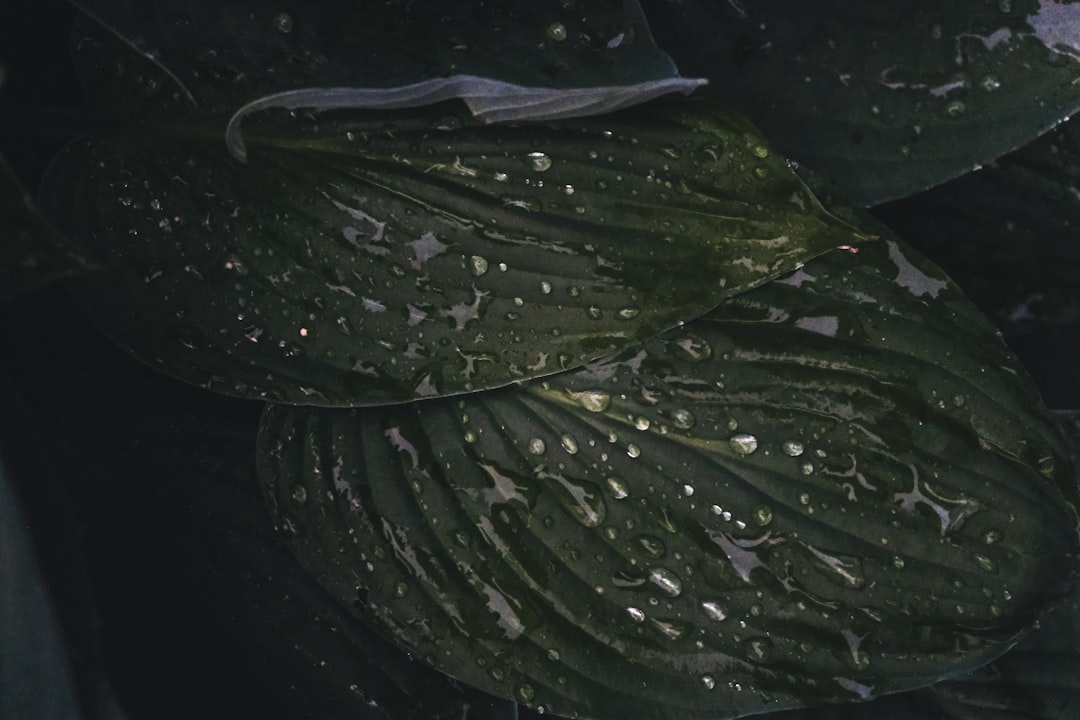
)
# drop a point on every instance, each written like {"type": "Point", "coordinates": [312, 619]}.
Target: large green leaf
{"type": "Point", "coordinates": [372, 258]}
{"type": "Point", "coordinates": [884, 99]}
{"type": "Point", "coordinates": [835, 486]}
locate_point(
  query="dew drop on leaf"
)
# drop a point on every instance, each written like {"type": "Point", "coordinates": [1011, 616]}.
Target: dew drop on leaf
{"type": "Point", "coordinates": [478, 265]}
{"type": "Point", "coordinates": [682, 418]}
{"type": "Point", "coordinates": [668, 582]}
{"type": "Point", "coordinates": [714, 611]}
{"type": "Point", "coordinates": [792, 448]}
{"type": "Point", "coordinates": [539, 161]}
{"type": "Point", "coordinates": [592, 400]}
{"type": "Point", "coordinates": [618, 488]}
{"type": "Point", "coordinates": [743, 443]}
{"type": "Point", "coordinates": [299, 494]}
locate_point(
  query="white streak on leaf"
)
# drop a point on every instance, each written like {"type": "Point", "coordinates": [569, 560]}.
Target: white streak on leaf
{"type": "Point", "coordinates": [487, 99]}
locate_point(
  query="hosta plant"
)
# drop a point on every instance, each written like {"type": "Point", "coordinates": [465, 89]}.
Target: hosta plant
{"type": "Point", "coordinates": [523, 374]}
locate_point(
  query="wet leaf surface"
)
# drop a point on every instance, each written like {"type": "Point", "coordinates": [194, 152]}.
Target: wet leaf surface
{"type": "Point", "coordinates": [1008, 235]}
{"type": "Point", "coordinates": [835, 486]}
{"type": "Point", "coordinates": [374, 258]}
{"type": "Point", "coordinates": [884, 100]}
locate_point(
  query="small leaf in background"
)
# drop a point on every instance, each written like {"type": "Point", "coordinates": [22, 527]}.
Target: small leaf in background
{"type": "Point", "coordinates": [372, 258]}
{"type": "Point", "coordinates": [1008, 235]}
{"type": "Point", "coordinates": [883, 99]}
{"type": "Point", "coordinates": [32, 252]}
{"type": "Point", "coordinates": [835, 486]}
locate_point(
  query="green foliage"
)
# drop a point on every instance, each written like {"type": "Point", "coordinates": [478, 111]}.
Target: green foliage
{"type": "Point", "coordinates": [607, 416]}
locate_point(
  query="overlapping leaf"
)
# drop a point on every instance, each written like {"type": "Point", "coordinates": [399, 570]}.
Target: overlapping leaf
{"type": "Point", "coordinates": [1007, 235]}
{"type": "Point", "coordinates": [224, 53]}
{"type": "Point", "coordinates": [884, 99]}
{"type": "Point", "coordinates": [363, 259]}
{"type": "Point", "coordinates": [835, 486]}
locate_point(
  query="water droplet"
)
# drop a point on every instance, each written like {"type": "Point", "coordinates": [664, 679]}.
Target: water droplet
{"type": "Point", "coordinates": [641, 422]}
{"type": "Point", "coordinates": [633, 450]}
{"type": "Point", "coordinates": [618, 487]}
{"type": "Point", "coordinates": [568, 189]}
{"type": "Point", "coordinates": [553, 654]}
{"type": "Point", "coordinates": [470, 436]}
{"type": "Point", "coordinates": [743, 443]}
{"type": "Point", "coordinates": [955, 108]}
{"type": "Point", "coordinates": [299, 494]}
{"type": "Point", "coordinates": [636, 614]}
{"type": "Point", "coordinates": [714, 611]}
{"type": "Point", "coordinates": [807, 468]}
{"type": "Point", "coordinates": [525, 692]}
{"type": "Point", "coordinates": [792, 448]}
{"type": "Point", "coordinates": [283, 22]}
{"type": "Point", "coordinates": [545, 287]}
{"type": "Point", "coordinates": [668, 582]}
{"type": "Point", "coordinates": [993, 536]}
{"type": "Point", "coordinates": [497, 673]}
{"type": "Point", "coordinates": [984, 562]}
{"type": "Point", "coordinates": [708, 681]}
{"type": "Point", "coordinates": [592, 400]}
{"type": "Point", "coordinates": [478, 265]}
{"type": "Point", "coordinates": [594, 312]}
{"type": "Point", "coordinates": [569, 443]}
{"type": "Point", "coordinates": [539, 161]}
{"type": "Point", "coordinates": [557, 32]}
{"type": "Point", "coordinates": [673, 629]}
{"type": "Point", "coordinates": [651, 546]}
{"type": "Point", "coordinates": [629, 313]}
{"type": "Point", "coordinates": [989, 83]}
{"type": "Point", "coordinates": [762, 515]}
{"type": "Point", "coordinates": [761, 151]}
{"type": "Point", "coordinates": [898, 562]}
{"type": "Point", "coordinates": [537, 446]}
{"type": "Point", "coordinates": [758, 649]}
{"type": "Point", "coordinates": [682, 418]}
{"type": "Point", "coordinates": [401, 589]}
